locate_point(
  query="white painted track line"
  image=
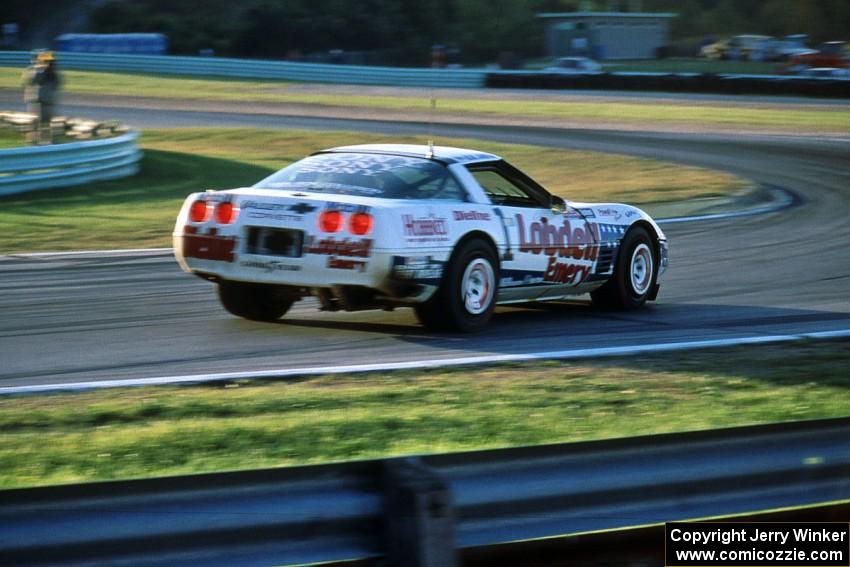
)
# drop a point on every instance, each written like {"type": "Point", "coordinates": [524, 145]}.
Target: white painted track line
{"type": "Point", "coordinates": [422, 364]}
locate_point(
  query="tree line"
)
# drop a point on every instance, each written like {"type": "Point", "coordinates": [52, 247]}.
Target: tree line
{"type": "Point", "coordinates": [403, 31]}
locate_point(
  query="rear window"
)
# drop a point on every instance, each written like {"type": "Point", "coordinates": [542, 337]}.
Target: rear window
{"type": "Point", "coordinates": [375, 175]}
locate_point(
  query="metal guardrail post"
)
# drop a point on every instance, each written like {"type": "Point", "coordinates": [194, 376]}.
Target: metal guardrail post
{"type": "Point", "coordinates": [418, 515]}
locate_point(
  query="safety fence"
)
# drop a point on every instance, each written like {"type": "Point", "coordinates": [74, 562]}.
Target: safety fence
{"type": "Point", "coordinates": [445, 78]}
{"type": "Point", "coordinates": [74, 163]}
{"type": "Point", "coordinates": [259, 69]}
{"type": "Point", "coordinates": [421, 511]}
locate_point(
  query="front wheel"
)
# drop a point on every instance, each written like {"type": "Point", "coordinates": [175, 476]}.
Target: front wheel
{"type": "Point", "coordinates": [257, 302]}
{"type": "Point", "coordinates": [467, 295]}
{"type": "Point", "coordinates": [634, 276]}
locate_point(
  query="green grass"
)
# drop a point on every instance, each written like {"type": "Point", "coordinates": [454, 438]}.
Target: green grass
{"type": "Point", "coordinates": [126, 433]}
{"type": "Point", "coordinates": [10, 138]}
{"type": "Point", "coordinates": [636, 112]}
{"type": "Point", "coordinates": [140, 211]}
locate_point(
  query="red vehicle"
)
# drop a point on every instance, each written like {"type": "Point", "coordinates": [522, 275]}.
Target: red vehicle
{"type": "Point", "coordinates": [830, 54]}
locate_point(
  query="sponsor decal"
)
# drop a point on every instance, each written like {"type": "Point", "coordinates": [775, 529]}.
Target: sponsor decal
{"type": "Point", "coordinates": [423, 268]}
{"type": "Point", "coordinates": [512, 278]}
{"type": "Point", "coordinates": [587, 213]}
{"type": "Point", "coordinates": [346, 264]}
{"type": "Point", "coordinates": [347, 207]}
{"type": "Point", "coordinates": [276, 211]}
{"type": "Point", "coordinates": [610, 213]}
{"type": "Point", "coordinates": [470, 216]}
{"type": "Point", "coordinates": [368, 165]}
{"type": "Point", "coordinates": [472, 156]}
{"type": "Point", "coordinates": [570, 240]}
{"type": "Point", "coordinates": [297, 208]}
{"type": "Point", "coordinates": [611, 232]}
{"type": "Point", "coordinates": [271, 266]}
{"type": "Point", "coordinates": [357, 248]}
{"type": "Point", "coordinates": [631, 213]}
{"type": "Point", "coordinates": [428, 229]}
{"type": "Point", "coordinates": [573, 246]}
{"type": "Point", "coordinates": [208, 246]}
{"type": "Point", "coordinates": [430, 226]}
{"type": "Point", "coordinates": [569, 273]}
{"type": "Point", "coordinates": [350, 248]}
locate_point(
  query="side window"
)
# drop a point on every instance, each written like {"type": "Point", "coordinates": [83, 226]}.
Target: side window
{"type": "Point", "coordinates": [444, 188]}
{"type": "Point", "coordinates": [503, 191]}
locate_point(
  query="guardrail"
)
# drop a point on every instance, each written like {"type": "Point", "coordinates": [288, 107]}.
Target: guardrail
{"type": "Point", "coordinates": [258, 69]}
{"type": "Point", "coordinates": [420, 511]}
{"type": "Point", "coordinates": [74, 163]}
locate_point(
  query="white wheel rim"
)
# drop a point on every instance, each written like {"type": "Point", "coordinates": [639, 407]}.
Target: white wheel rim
{"type": "Point", "coordinates": [477, 286]}
{"type": "Point", "coordinates": [641, 269]}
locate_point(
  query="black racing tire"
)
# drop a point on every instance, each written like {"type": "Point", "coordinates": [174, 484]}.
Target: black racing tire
{"type": "Point", "coordinates": [466, 298]}
{"type": "Point", "coordinates": [257, 302]}
{"type": "Point", "coordinates": [635, 274]}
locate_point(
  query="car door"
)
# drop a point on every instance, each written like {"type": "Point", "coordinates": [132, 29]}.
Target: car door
{"type": "Point", "coordinates": [549, 251]}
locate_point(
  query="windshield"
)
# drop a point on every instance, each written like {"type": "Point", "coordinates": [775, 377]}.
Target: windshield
{"type": "Point", "coordinates": [374, 175]}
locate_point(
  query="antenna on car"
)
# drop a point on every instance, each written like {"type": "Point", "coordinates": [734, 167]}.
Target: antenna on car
{"type": "Point", "coordinates": [435, 63]}
{"type": "Point", "coordinates": [430, 153]}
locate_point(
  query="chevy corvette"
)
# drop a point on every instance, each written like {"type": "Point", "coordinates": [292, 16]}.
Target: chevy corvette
{"type": "Point", "coordinates": [449, 232]}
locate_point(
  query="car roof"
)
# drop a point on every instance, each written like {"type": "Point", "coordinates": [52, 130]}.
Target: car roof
{"type": "Point", "coordinates": [443, 154]}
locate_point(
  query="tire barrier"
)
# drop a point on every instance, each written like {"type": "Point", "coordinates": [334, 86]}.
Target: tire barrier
{"type": "Point", "coordinates": [787, 85]}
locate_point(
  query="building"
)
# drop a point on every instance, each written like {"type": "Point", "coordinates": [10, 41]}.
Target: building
{"type": "Point", "coordinates": [606, 35]}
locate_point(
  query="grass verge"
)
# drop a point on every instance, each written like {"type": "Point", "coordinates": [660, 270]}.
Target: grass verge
{"type": "Point", "coordinates": [10, 138]}
{"type": "Point", "coordinates": [124, 433]}
{"type": "Point", "coordinates": [140, 211]}
{"type": "Point", "coordinates": [637, 112]}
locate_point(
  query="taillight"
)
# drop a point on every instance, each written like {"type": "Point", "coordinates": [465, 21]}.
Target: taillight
{"type": "Point", "coordinates": [226, 212]}
{"type": "Point", "coordinates": [331, 221]}
{"type": "Point", "coordinates": [361, 223]}
{"type": "Point", "coordinates": [200, 211]}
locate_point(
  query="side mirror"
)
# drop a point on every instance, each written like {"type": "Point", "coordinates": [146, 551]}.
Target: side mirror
{"type": "Point", "coordinates": [558, 205]}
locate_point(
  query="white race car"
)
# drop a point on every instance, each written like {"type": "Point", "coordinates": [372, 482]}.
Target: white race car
{"type": "Point", "coordinates": [449, 232]}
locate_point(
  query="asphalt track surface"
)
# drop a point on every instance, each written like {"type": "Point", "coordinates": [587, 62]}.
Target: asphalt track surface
{"type": "Point", "coordinates": [98, 318]}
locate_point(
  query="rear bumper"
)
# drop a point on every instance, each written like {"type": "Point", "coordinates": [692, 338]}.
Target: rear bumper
{"type": "Point", "coordinates": [395, 277]}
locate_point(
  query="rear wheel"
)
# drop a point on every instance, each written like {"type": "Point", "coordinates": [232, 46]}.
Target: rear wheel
{"type": "Point", "coordinates": [257, 302]}
{"type": "Point", "coordinates": [467, 295]}
{"type": "Point", "coordinates": [634, 275]}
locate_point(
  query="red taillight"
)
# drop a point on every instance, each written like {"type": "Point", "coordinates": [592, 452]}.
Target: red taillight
{"type": "Point", "coordinates": [226, 213]}
{"type": "Point", "coordinates": [331, 221]}
{"type": "Point", "coordinates": [361, 223]}
{"type": "Point", "coordinates": [199, 211]}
